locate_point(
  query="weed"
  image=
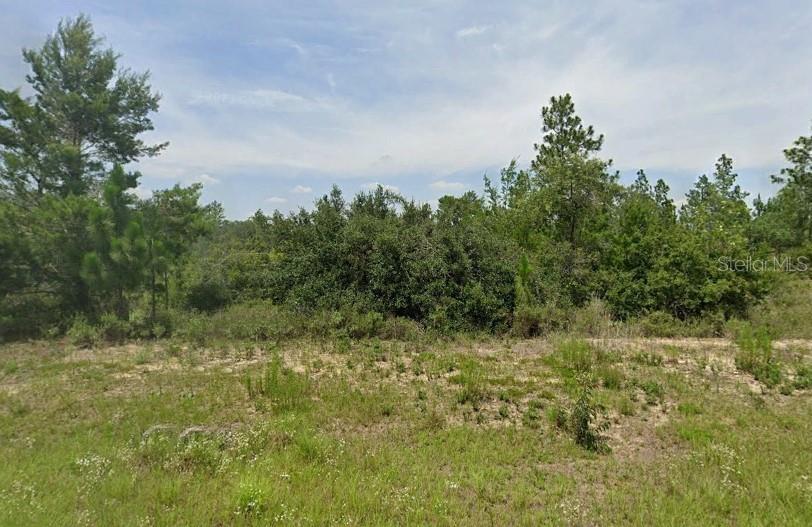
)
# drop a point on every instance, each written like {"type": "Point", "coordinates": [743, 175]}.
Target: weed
{"type": "Point", "coordinates": [10, 367]}
{"type": "Point", "coordinates": [531, 417]}
{"type": "Point", "coordinates": [286, 389]}
{"type": "Point", "coordinates": [803, 378]}
{"type": "Point", "coordinates": [611, 378]}
{"type": "Point", "coordinates": [626, 406]}
{"type": "Point", "coordinates": [648, 358]}
{"type": "Point", "coordinates": [83, 334]}
{"type": "Point", "coordinates": [113, 329]}
{"type": "Point", "coordinates": [142, 356]}
{"type": "Point", "coordinates": [689, 409]}
{"type": "Point", "coordinates": [557, 417]}
{"type": "Point", "coordinates": [571, 357]}
{"type": "Point", "coordinates": [251, 500]}
{"type": "Point", "coordinates": [583, 424]}
{"type": "Point", "coordinates": [654, 391]}
{"type": "Point", "coordinates": [756, 357]}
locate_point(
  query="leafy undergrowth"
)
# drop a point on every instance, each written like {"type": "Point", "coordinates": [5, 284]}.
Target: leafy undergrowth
{"type": "Point", "coordinates": [371, 432]}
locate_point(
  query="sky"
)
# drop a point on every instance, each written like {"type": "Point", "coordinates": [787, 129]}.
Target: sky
{"type": "Point", "coordinates": [269, 103]}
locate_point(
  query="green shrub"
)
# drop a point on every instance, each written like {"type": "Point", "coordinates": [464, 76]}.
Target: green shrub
{"type": "Point", "coordinates": [592, 320]}
{"type": "Point", "coordinates": [803, 378]}
{"type": "Point", "coordinates": [533, 321]}
{"type": "Point", "coordinates": [658, 324]}
{"type": "Point", "coordinates": [583, 420]}
{"type": "Point", "coordinates": [654, 391]}
{"type": "Point", "coordinates": [83, 334]}
{"type": "Point", "coordinates": [399, 328]}
{"type": "Point", "coordinates": [250, 500]}
{"type": "Point", "coordinates": [787, 310]}
{"type": "Point", "coordinates": [362, 325]}
{"type": "Point", "coordinates": [283, 387]}
{"type": "Point", "coordinates": [575, 355]}
{"type": "Point", "coordinates": [208, 295]}
{"type": "Point", "coordinates": [756, 356]}
{"type": "Point", "coordinates": [113, 329]}
{"type": "Point", "coordinates": [28, 316]}
{"type": "Point", "coordinates": [611, 378]}
{"type": "Point", "coordinates": [648, 358]}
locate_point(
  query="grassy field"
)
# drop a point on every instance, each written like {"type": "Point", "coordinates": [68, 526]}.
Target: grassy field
{"type": "Point", "coordinates": [671, 432]}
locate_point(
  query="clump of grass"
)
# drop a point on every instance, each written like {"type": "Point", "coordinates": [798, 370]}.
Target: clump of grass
{"type": "Point", "coordinates": [557, 416]}
{"type": "Point", "coordinates": [648, 358]}
{"type": "Point", "coordinates": [688, 409]}
{"type": "Point", "coordinates": [286, 389]}
{"type": "Point", "coordinates": [251, 500]}
{"type": "Point", "coordinates": [611, 378]}
{"type": "Point", "coordinates": [472, 380]}
{"type": "Point", "coordinates": [10, 367]}
{"type": "Point", "coordinates": [83, 334]}
{"type": "Point", "coordinates": [803, 378]}
{"type": "Point", "coordinates": [571, 357]}
{"type": "Point", "coordinates": [142, 356]}
{"type": "Point", "coordinates": [654, 391]}
{"type": "Point", "coordinates": [626, 406]}
{"type": "Point", "coordinates": [756, 357]}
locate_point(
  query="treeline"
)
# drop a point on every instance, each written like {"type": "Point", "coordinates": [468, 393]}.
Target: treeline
{"type": "Point", "coordinates": [77, 246]}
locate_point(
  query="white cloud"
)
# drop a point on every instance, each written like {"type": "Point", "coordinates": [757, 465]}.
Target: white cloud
{"type": "Point", "coordinates": [301, 189]}
{"type": "Point", "coordinates": [472, 31]}
{"type": "Point", "coordinates": [373, 186]}
{"type": "Point", "coordinates": [276, 200]}
{"type": "Point", "coordinates": [140, 192]}
{"type": "Point", "coordinates": [206, 179]}
{"type": "Point", "coordinates": [447, 185]}
{"type": "Point", "coordinates": [263, 98]}
{"type": "Point", "coordinates": [669, 90]}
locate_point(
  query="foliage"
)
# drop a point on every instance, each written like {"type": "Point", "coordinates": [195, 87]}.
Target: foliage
{"type": "Point", "coordinates": [557, 245]}
{"type": "Point", "coordinates": [584, 416]}
{"type": "Point", "coordinates": [83, 334]}
{"type": "Point", "coordinates": [756, 355]}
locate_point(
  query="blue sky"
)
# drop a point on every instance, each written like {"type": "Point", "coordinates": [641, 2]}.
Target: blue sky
{"type": "Point", "coordinates": [269, 103]}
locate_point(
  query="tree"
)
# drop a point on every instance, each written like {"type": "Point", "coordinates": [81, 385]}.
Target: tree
{"type": "Point", "coordinates": [786, 219]}
{"type": "Point", "coordinates": [87, 113]}
{"type": "Point", "coordinates": [117, 264]}
{"type": "Point", "coordinates": [173, 220]}
{"type": "Point", "coordinates": [575, 192]}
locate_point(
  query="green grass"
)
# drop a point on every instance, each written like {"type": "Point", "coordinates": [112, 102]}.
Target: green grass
{"type": "Point", "coordinates": [383, 433]}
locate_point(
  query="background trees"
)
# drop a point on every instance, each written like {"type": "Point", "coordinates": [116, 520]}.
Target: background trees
{"type": "Point", "coordinates": [538, 244]}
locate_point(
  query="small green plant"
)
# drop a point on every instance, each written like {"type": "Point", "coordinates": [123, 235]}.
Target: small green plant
{"type": "Point", "coordinates": [583, 422]}
{"type": "Point", "coordinates": [10, 367]}
{"type": "Point", "coordinates": [803, 378]}
{"type": "Point", "coordinates": [251, 500]}
{"type": "Point", "coordinates": [113, 329]}
{"type": "Point", "coordinates": [626, 406]}
{"type": "Point", "coordinates": [648, 358]}
{"type": "Point", "coordinates": [83, 334]}
{"type": "Point", "coordinates": [531, 417]}
{"type": "Point", "coordinates": [572, 357]}
{"type": "Point", "coordinates": [689, 409]}
{"type": "Point", "coordinates": [286, 389]}
{"type": "Point", "coordinates": [611, 378]}
{"type": "Point", "coordinates": [756, 357]}
{"type": "Point", "coordinates": [143, 356]}
{"type": "Point", "coordinates": [654, 391]}
{"type": "Point", "coordinates": [557, 416]}
{"type": "Point", "coordinates": [473, 388]}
